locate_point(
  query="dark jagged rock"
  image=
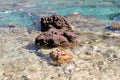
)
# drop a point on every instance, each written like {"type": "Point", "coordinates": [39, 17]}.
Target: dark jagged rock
{"type": "Point", "coordinates": [51, 38]}
{"type": "Point", "coordinates": [54, 21]}
{"type": "Point", "coordinates": [55, 32]}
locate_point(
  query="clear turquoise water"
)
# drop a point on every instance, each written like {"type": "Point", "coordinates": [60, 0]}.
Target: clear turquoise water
{"type": "Point", "coordinates": [23, 12]}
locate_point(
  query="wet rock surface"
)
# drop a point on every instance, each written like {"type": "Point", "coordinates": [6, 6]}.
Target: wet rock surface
{"type": "Point", "coordinates": [56, 31]}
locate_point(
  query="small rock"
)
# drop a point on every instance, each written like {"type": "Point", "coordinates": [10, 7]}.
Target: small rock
{"type": "Point", "coordinates": [12, 25]}
{"type": "Point", "coordinates": [74, 14]}
{"type": "Point", "coordinates": [60, 56]}
{"type": "Point", "coordinates": [115, 25]}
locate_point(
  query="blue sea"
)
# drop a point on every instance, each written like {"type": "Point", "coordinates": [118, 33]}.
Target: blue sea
{"type": "Point", "coordinates": [24, 12]}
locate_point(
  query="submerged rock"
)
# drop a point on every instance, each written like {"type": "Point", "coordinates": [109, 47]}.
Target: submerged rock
{"type": "Point", "coordinates": [73, 14]}
{"type": "Point", "coordinates": [115, 25]}
{"type": "Point", "coordinates": [115, 17]}
{"type": "Point", "coordinates": [13, 25]}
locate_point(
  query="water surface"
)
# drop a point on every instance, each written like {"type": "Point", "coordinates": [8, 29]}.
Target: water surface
{"type": "Point", "coordinates": [24, 12]}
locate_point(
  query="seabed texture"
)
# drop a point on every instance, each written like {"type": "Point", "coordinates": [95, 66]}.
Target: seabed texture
{"type": "Point", "coordinates": [97, 56]}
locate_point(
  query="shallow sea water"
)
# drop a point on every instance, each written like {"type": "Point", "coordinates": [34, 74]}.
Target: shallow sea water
{"type": "Point", "coordinates": [96, 57]}
{"type": "Point", "coordinates": [24, 12]}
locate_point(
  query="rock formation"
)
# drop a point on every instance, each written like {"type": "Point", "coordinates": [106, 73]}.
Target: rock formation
{"type": "Point", "coordinates": [55, 32]}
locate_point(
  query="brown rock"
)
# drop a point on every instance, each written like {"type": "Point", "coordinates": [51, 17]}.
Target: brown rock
{"type": "Point", "coordinates": [115, 25]}
{"type": "Point", "coordinates": [55, 21]}
{"type": "Point", "coordinates": [12, 25]}
{"type": "Point", "coordinates": [60, 56]}
{"type": "Point", "coordinates": [51, 38]}
{"type": "Point", "coordinates": [70, 36]}
{"type": "Point", "coordinates": [56, 32]}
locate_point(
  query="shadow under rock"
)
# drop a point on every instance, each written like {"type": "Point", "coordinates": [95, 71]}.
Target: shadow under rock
{"type": "Point", "coordinates": [36, 51]}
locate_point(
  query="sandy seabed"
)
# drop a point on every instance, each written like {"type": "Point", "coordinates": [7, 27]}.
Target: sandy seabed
{"type": "Point", "coordinates": [96, 57]}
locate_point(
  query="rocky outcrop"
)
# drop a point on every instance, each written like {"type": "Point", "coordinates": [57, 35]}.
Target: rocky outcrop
{"type": "Point", "coordinates": [55, 32]}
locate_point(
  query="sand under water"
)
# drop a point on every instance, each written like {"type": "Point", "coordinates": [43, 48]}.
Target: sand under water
{"type": "Point", "coordinates": [96, 57]}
